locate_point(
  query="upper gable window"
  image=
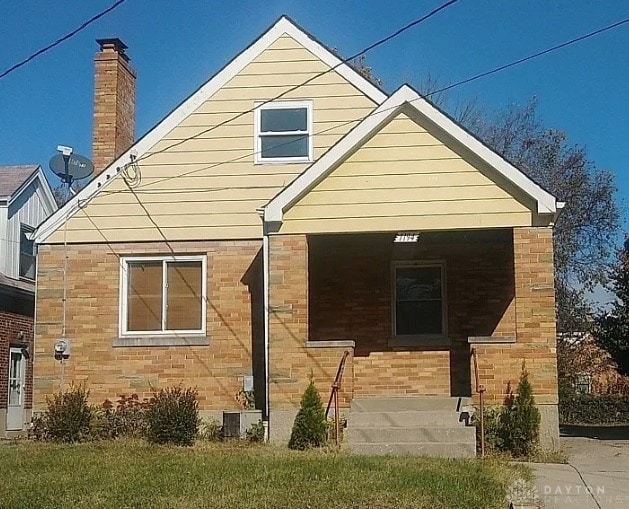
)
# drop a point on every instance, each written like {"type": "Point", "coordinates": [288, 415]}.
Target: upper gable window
{"type": "Point", "coordinates": [283, 132]}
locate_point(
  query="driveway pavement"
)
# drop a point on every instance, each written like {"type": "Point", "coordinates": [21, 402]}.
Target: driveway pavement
{"type": "Point", "coordinates": [597, 476]}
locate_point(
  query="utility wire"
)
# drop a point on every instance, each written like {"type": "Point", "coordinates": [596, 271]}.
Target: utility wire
{"type": "Point", "coordinates": [309, 80]}
{"type": "Point", "coordinates": [426, 96]}
{"type": "Point", "coordinates": [534, 55]}
{"type": "Point", "coordinates": [62, 39]}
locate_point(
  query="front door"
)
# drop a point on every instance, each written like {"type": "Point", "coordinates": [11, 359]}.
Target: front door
{"type": "Point", "coordinates": [17, 389]}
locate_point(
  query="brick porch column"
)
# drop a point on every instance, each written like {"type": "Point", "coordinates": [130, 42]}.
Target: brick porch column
{"type": "Point", "coordinates": [288, 329]}
{"type": "Point", "coordinates": [534, 332]}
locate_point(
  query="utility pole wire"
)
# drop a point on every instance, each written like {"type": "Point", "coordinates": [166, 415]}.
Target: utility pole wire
{"type": "Point", "coordinates": [343, 61]}
{"type": "Point", "coordinates": [534, 55]}
{"type": "Point", "coordinates": [69, 35]}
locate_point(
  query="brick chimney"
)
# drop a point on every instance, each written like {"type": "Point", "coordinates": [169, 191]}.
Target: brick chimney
{"type": "Point", "coordinates": [114, 103]}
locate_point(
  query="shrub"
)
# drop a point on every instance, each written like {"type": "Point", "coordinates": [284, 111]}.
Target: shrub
{"type": "Point", "coordinates": [494, 436]}
{"type": "Point", "coordinates": [514, 427]}
{"type": "Point", "coordinates": [255, 433]}
{"type": "Point", "coordinates": [102, 423]}
{"type": "Point", "coordinates": [593, 409]}
{"type": "Point", "coordinates": [67, 418]}
{"type": "Point", "coordinates": [129, 417]}
{"type": "Point", "coordinates": [172, 416]}
{"type": "Point", "coordinates": [310, 427]}
{"type": "Point", "coordinates": [521, 419]}
{"type": "Point", "coordinates": [211, 430]}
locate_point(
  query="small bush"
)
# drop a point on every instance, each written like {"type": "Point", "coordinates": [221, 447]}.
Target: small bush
{"type": "Point", "coordinates": [521, 419]}
{"type": "Point", "coordinates": [255, 433]}
{"type": "Point", "coordinates": [67, 418]}
{"type": "Point", "coordinates": [211, 430]}
{"type": "Point", "coordinates": [310, 426]}
{"type": "Point", "coordinates": [102, 423]}
{"type": "Point", "coordinates": [514, 427]}
{"type": "Point", "coordinates": [172, 416]}
{"type": "Point", "coordinates": [129, 417]}
{"type": "Point", "coordinates": [593, 409]}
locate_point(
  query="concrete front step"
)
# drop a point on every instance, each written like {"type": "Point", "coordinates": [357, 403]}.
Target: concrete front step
{"type": "Point", "coordinates": [409, 403]}
{"type": "Point", "coordinates": [416, 434]}
{"type": "Point", "coordinates": [405, 418]}
{"type": "Point", "coordinates": [442, 449]}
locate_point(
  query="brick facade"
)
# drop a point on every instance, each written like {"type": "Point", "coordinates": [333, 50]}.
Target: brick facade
{"type": "Point", "coordinates": [114, 103]}
{"type": "Point", "coordinates": [16, 330]}
{"type": "Point", "coordinates": [216, 370]}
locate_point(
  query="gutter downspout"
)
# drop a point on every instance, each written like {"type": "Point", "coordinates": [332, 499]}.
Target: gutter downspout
{"type": "Point", "coordinates": [265, 278]}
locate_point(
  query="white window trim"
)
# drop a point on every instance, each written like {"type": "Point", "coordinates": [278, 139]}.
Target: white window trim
{"type": "Point", "coordinates": [275, 105]}
{"type": "Point", "coordinates": [444, 299]}
{"type": "Point", "coordinates": [123, 308]}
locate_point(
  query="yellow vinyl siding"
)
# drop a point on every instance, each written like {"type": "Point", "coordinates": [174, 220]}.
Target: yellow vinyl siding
{"type": "Point", "coordinates": [214, 187]}
{"type": "Point", "coordinates": [405, 178]}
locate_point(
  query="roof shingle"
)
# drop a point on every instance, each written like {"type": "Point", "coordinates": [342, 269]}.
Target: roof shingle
{"type": "Point", "coordinates": [12, 178]}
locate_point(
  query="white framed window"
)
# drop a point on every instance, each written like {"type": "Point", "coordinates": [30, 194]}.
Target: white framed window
{"type": "Point", "coordinates": [283, 132]}
{"type": "Point", "coordinates": [163, 295]}
{"type": "Point", "coordinates": [27, 253]}
{"type": "Point", "coordinates": [419, 299]}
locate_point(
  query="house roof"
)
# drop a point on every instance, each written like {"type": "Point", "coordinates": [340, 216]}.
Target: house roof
{"type": "Point", "coordinates": [404, 97]}
{"type": "Point", "coordinates": [284, 25]}
{"type": "Point", "coordinates": [12, 178]}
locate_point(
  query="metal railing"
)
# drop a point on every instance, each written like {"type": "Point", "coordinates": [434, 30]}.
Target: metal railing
{"type": "Point", "coordinates": [334, 397]}
{"type": "Point", "coordinates": [480, 390]}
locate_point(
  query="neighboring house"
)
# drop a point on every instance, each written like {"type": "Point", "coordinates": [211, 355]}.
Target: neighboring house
{"type": "Point", "coordinates": [25, 201]}
{"type": "Point", "coordinates": [334, 218]}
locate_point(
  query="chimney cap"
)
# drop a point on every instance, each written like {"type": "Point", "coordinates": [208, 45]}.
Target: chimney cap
{"type": "Point", "coordinates": [112, 43]}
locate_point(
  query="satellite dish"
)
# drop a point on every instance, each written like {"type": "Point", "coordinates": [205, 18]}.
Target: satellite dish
{"type": "Point", "coordinates": [71, 167]}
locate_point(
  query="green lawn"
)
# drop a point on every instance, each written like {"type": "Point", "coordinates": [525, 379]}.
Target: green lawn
{"type": "Point", "coordinates": [133, 474]}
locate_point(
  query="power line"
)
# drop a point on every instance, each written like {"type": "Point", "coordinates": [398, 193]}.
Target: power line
{"type": "Point", "coordinates": [311, 79]}
{"type": "Point", "coordinates": [62, 39]}
{"type": "Point", "coordinates": [534, 55]}
{"type": "Point", "coordinates": [453, 85]}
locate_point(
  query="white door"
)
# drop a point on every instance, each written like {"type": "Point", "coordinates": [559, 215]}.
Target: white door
{"type": "Point", "coordinates": [17, 389]}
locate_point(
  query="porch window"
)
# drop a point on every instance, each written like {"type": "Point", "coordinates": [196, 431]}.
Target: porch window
{"type": "Point", "coordinates": [283, 132]}
{"type": "Point", "coordinates": [418, 306]}
{"type": "Point", "coordinates": [27, 253]}
{"type": "Point", "coordinates": [163, 295]}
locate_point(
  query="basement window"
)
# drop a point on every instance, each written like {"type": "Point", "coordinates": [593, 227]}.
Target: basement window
{"type": "Point", "coordinates": [163, 295]}
{"type": "Point", "coordinates": [283, 132]}
{"type": "Point", "coordinates": [419, 300]}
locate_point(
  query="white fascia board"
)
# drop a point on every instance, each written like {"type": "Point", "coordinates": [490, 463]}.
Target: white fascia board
{"type": "Point", "coordinates": [189, 105]}
{"type": "Point", "coordinates": [45, 186]}
{"type": "Point", "coordinates": [546, 203]}
{"type": "Point", "coordinates": [274, 210]}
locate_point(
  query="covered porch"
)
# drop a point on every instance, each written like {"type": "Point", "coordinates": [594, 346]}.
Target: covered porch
{"type": "Point", "coordinates": [407, 243]}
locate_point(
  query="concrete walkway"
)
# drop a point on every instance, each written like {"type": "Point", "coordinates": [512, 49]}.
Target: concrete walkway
{"type": "Point", "coordinates": [597, 476]}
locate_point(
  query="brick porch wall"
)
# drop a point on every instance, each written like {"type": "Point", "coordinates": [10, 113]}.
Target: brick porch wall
{"type": "Point", "coordinates": [93, 294]}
